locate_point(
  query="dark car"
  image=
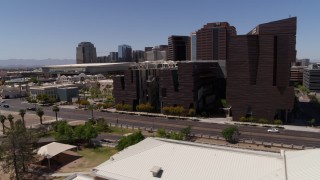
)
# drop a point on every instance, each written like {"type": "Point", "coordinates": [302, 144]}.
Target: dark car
{"type": "Point", "coordinates": [31, 108]}
{"type": "Point", "coordinates": [6, 106]}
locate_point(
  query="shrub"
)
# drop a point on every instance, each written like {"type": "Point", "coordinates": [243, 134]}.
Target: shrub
{"type": "Point", "coordinates": [170, 110]}
{"type": "Point", "coordinates": [144, 107]}
{"type": "Point", "coordinates": [230, 133]}
{"type": "Point", "coordinates": [123, 107]}
{"type": "Point", "coordinates": [243, 119]}
{"type": "Point", "coordinates": [263, 121]}
{"type": "Point", "coordinates": [191, 112]}
{"type": "Point", "coordinates": [129, 140]}
{"type": "Point", "coordinates": [277, 122]}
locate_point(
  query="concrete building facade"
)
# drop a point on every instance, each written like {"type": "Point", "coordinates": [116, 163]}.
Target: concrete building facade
{"type": "Point", "coordinates": [199, 85]}
{"type": "Point", "coordinates": [311, 78]}
{"type": "Point", "coordinates": [259, 71]}
{"type": "Point", "coordinates": [86, 53]}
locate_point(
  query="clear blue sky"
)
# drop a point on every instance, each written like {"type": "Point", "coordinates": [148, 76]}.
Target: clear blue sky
{"type": "Point", "coordinates": [40, 29]}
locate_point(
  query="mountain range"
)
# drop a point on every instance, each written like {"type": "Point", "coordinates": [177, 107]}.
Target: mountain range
{"type": "Point", "coordinates": [21, 63]}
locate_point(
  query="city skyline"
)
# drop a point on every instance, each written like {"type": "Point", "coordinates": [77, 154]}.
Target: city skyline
{"type": "Point", "coordinates": [41, 30]}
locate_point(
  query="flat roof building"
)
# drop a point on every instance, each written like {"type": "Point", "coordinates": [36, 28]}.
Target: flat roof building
{"type": "Point", "coordinates": [259, 71]}
{"type": "Point", "coordinates": [155, 158]}
{"type": "Point", "coordinates": [311, 78]}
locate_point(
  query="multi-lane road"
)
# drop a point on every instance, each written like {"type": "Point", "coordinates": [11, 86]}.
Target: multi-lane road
{"type": "Point", "coordinates": [309, 139]}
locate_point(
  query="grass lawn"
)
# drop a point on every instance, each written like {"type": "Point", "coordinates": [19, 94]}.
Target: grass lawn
{"type": "Point", "coordinates": [121, 131]}
{"type": "Point", "coordinates": [91, 157]}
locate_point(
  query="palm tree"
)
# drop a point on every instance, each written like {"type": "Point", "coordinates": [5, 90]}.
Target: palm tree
{"type": "Point", "coordinates": [22, 112]}
{"type": "Point", "coordinates": [91, 107]}
{"type": "Point", "coordinates": [10, 118]}
{"type": "Point", "coordinates": [40, 113]}
{"type": "Point", "coordinates": [56, 109]}
{"type": "Point", "coordinates": [2, 120]}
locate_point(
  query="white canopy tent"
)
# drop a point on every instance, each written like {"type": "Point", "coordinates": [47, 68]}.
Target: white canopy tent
{"type": "Point", "coordinates": [53, 149]}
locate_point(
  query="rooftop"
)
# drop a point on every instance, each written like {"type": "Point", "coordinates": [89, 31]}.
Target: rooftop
{"type": "Point", "coordinates": [186, 160]}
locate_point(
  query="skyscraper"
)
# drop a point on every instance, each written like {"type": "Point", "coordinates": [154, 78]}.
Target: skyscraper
{"type": "Point", "coordinates": [259, 71]}
{"type": "Point", "coordinates": [212, 41]}
{"type": "Point", "coordinates": [137, 56]}
{"type": "Point", "coordinates": [86, 53]}
{"type": "Point", "coordinates": [177, 48]}
{"type": "Point", "coordinates": [113, 56]}
{"type": "Point", "coordinates": [124, 53]}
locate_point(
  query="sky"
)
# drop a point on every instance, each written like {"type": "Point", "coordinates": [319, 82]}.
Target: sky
{"type": "Point", "coordinates": [41, 29]}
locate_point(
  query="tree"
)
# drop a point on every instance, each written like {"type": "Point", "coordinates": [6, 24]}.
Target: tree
{"type": "Point", "coordinates": [230, 133]}
{"type": "Point", "coordinates": [63, 132]}
{"type": "Point", "coordinates": [22, 112]}
{"type": "Point", "coordinates": [56, 109]}
{"type": "Point", "coordinates": [129, 140]}
{"type": "Point", "coordinates": [10, 118]}
{"type": "Point", "coordinates": [18, 150]}
{"type": "Point", "coordinates": [2, 120]}
{"type": "Point", "coordinates": [92, 107]}
{"type": "Point", "coordinates": [40, 113]}
{"type": "Point", "coordinates": [85, 132]}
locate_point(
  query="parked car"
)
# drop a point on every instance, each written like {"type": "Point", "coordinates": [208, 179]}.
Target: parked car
{"type": "Point", "coordinates": [6, 106]}
{"type": "Point", "coordinates": [31, 108]}
{"type": "Point", "coordinates": [273, 130]}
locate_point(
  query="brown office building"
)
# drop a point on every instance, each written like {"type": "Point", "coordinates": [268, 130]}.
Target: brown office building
{"type": "Point", "coordinates": [259, 71]}
{"type": "Point", "coordinates": [177, 48]}
{"type": "Point", "coordinates": [213, 39]}
{"type": "Point", "coordinates": [199, 85]}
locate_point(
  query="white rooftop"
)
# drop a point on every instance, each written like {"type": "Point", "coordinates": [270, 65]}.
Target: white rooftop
{"type": "Point", "coordinates": [170, 159]}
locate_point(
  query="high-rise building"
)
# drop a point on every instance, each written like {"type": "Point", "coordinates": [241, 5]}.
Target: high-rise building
{"type": "Point", "coordinates": [86, 53]}
{"type": "Point", "coordinates": [258, 71]}
{"type": "Point", "coordinates": [212, 41]}
{"type": "Point", "coordinates": [311, 78]}
{"type": "Point", "coordinates": [124, 53]}
{"type": "Point", "coordinates": [113, 56]}
{"type": "Point", "coordinates": [193, 46]}
{"type": "Point", "coordinates": [138, 56]}
{"type": "Point", "coordinates": [177, 48]}
{"type": "Point", "coordinates": [157, 53]}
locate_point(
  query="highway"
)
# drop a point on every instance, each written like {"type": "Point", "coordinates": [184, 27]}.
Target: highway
{"type": "Point", "coordinates": [309, 139]}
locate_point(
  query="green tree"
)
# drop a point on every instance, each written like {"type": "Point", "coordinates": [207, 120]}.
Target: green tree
{"type": "Point", "coordinates": [10, 118]}
{"type": "Point", "coordinates": [85, 132]}
{"type": "Point", "coordinates": [64, 132]}
{"type": "Point", "coordinates": [56, 109]}
{"type": "Point", "coordinates": [2, 120]}
{"type": "Point", "coordinates": [40, 113]}
{"type": "Point", "coordinates": [22, 112]}
{"type": "Point", "coordinates": [230, 133]}
{"type": "Point", "coordinates": [129, 140]}
{"type": "Point", "coordinates": [18, 150]}
{"type": "Point", "coordinates": [102, 125]}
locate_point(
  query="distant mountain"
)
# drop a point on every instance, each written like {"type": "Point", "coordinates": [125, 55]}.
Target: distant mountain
{"type": "Point", "coordinates": [20, 63]}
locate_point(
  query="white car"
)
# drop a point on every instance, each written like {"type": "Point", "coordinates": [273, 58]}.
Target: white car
{"type": "Point", "coordinates": [273, 130]}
